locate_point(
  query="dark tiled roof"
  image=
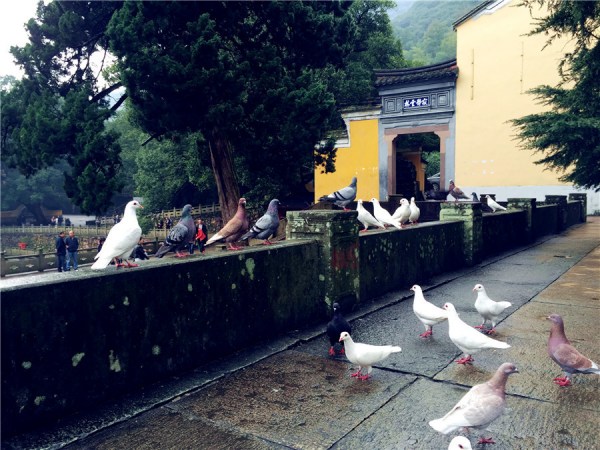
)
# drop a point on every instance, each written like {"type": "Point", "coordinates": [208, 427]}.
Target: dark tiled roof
{"type": "Point", "coordinates": [471, 13]}
{"type": "Point", "coordinates": [446, 69]}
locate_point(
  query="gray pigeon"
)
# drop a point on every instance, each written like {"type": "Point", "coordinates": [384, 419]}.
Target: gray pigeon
{"type": "Point", "coordinates": [457, 192]}
{"type": "Point", "coordinates": [343, 197]}
{"type": "Point", "coordinates": [565, 355]}
{"type": "Point", "coordinates": [266, 226]}
{"type": "Point", "coordinates": [479, 407]}
{"type": "Point", "coordinates": [180, 235]}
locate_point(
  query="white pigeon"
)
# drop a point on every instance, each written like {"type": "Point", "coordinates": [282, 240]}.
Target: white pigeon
{"type": "Point", "coordinates": [492, 203]}
{"type": "Point", "coordinates": [415, 212]}
{"type": "Point", "coordinates": [479, 407]}
{"type": "Point", "coordinates": [402, 213]}
{"type": "Point", "coordinates": [365, 355]}
{"type": "Point", "coordinates": [466, 338]}
{"type": "Point", "coordinates": [460, 443]}
{"type": "Point", "coordinates": [426, 312]}
{"type": "Point", "coordinates": [121, 239]}
{"type": "Point", "coordinates": [366, 218]}
{"type": "Point", "coordinates": [383, 215]}
{"type": "Point", "coordinates": [487, 308]}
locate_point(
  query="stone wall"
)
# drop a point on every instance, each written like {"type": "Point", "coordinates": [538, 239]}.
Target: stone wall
{"type": "Point", "coordinates": [545, 220]}
{"type": "Point", "coordinates": [503, 230]}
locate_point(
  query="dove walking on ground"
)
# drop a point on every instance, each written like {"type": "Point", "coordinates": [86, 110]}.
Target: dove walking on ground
{"type": "Point", "coordinates": [234, 229]}
{"type": "Point", "coordinates": [427, 312]}
{"type": "Point", "coordinates": [365, 355]}
{"type": "Point", "coordinates": [180, 235]}
{"type": "Point", "coordinates": [383, 215]}
{"type": "Point", "coordinates": [460, 443]}
{"type": "Point", "coordinates": [456, 192]}
{"type": "Point", "coordinates": [343, 197]}
{"type": "Point", "coordinates": [479, 407]}
{"type": "Point", "coordinates": [402, 213]}
{"type": "Point", "coordinates": [415, 212]}
{"type": "Point", "coordinates": [488, 309]}
{"type": "Point", "coordinates": [366, 218]}
{"type": "Point", "coordinates": [266, 226]}
{"type": "Point", "coordinates": [121, 239]}
{"type": "Point", "coordinates": [466, 338]}
{"type": "Point", "coordinates": [336, 326]}
{"type": "Point", "coordinates": [492, 203]}
{"type": "Point", "coordinates": [565, 355]}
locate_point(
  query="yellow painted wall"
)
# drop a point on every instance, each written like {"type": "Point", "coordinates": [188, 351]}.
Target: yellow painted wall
{"type": "Point", "coordinates": [498, 64]}
{"type": "Point", "coordinates": [360, 160]}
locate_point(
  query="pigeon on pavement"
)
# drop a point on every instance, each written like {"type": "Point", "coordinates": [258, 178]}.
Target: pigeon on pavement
{"type": "Point", "coordinates": [426, 312]}
{"type": "Point", "coordinates": [383, 215]}
{"type": "Point", "coordinates": [488, 309]}
{"type": "Point", "coordinates": [460, 443]}
{"type": "Point", "coordinates": [365, 355]}
{"type": "Point", "coordinates": [492, 203]}
{"type": "Point", "coordinates": [343, 197]}
{"type": "Point", "coordinates": [234, 229]}
{"type": "Point", "coordinates": [479, 407]}
{"type": "Point", "coordinates": [565, 355]}
{"type": "Point", "coordinates": [402, 213]}
{"type": "Point", "coordinates": [336, 326]}
{"type": "Point", "coordinates": [415, 212]}
{"type": "Point", "coordinates": [266, 226]}
{"type": "Point", "coordinates": [366, 218]}
{"type": "Point", "coordinates": [456, 192]}
{"type": "Point", "coordinates": [466, 338]}
{"type": "Point", "coordinates": [121, 239]}
{"type": "Point", "coordinates": [180, 235]}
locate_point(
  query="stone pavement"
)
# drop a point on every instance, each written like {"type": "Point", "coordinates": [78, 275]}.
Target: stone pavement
{"type": "Point", "coordinates": [290, 394]}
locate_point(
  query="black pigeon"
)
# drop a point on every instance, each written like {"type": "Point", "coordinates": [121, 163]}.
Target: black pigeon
{"type": "Point", "coordinates": [180, 235]}
{"type": "Point", "coordinates": [335, 327]}
{"type": "Point", "coordinates": [484, 206]}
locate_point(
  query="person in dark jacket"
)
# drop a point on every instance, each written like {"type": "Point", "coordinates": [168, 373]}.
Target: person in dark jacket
{"type": "Point", "coordinates": [61, 251]}
{"type": "Point", "coordinates": [72, 247]}
{"type": "Point", "coordinates": [139, 253]}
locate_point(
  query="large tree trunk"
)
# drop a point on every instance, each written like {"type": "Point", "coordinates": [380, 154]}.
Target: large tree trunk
{"type": "Point", "coordinates": [38, 214]}
{"type": "Point", "coordinates": [222, 164]}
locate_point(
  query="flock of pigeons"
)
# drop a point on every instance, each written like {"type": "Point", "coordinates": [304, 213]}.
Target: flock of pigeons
{"type": "Point", "coordinates": [485, 402]}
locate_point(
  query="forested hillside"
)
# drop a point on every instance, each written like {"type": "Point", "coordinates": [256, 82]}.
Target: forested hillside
{"type": "Point", "coordinates": [425, 28]}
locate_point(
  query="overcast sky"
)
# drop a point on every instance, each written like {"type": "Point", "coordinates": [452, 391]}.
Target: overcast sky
{"type": "Point", "coordinates": [13, 15]}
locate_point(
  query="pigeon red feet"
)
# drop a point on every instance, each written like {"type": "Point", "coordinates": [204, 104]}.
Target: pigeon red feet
{"type": "Point", "coordinates": [479, 327]}
{"type": "Point", "coordinates": [364, 377]}
{"type": "Point", "coordinates": [130, 264]}
{"type": "Point", "coordinates": [180, 255]}
{"type": "Point", "coordinates": [357, 374]}
{"type": "Point", "coordinates": [342, 351]}
{"type": "Point", "coordinates": [233, 247]}
{"type": "Point", "coordinates": [267, 242]}
{"type": "Point", "coordinates": [426, 334]}
{"type": "Point", "coordinates": [466, 360]}
{"type": "Point", "coordinates": [490, 331]}
{"type": "Point", "coordinates": [331, 351]}
{"type": "Point", "coordinates": [562, 381]}
{"type": "Point", "coordinates": [486, 441]}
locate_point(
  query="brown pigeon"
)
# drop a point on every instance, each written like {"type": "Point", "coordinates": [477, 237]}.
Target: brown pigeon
{"type": "Point", "coordinates": [479, 407]}
{"type": "Point", "coordinates": [456, 192]}
{"type": "Point", "coordinates": [234, 229]}
{"type": "Point", "coordinates": [565, 355]}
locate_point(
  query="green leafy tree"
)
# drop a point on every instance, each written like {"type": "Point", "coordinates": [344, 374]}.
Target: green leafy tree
{"type": "Point", "coordinates": [568, 135]}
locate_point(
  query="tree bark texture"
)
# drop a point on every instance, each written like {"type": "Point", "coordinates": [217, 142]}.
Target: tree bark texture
{"type": "Point", "coordinates": [226, 181]}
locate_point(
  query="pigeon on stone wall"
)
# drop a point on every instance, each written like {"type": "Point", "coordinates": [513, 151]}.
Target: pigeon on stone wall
{"type": "Point", "coordinates": [488, 309]}
{"type": "Point", "coordinates": [121, 239]}
{"type": "Point", "coordinates": [402, 213]}
{"type": "Point", "coordinates": [343, 197]}
{"type": "Point", "coordinates": [492, 203]}
{"type": "Point", "coordinates": [415, 212]}
{"type": "Point", "coordinates": [479, 407]}
{"type": "Point", "coordinates": [383, 215]}
{"type": "Point", "coordinates": [266, 226]}
{"type": "Point", "coordinates": [427, 312]}
{"type": "Point", "coordinates": [457, 192]}
{"type": "Point", "coordinates": [565, 355]}
{"type": "Point", "coordinates": [466, 338]}
{"type": "Point", "coordinates": [234, 229]}
{"type": "Point", "coordinates": [460, 443]}
{"type": "Point", "coordinates": [484, 206]}
{"type": "Point", "coordinates": [365, 355]}
{"type": "Point", "coordinates": [336, 326]}
{"type": "Point", "coordinates": [180, 235]}
{"type": "Point", "coordinates": [366, 218]}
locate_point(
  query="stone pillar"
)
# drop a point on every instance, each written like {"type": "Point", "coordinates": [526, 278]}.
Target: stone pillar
{"type": "Point", "coordinates": [582, 197]}
{"type": "Point", "coordinates": [337, 233]}
{"type": "Point", "coordinates": [4, 264]}
{"type": "Point", "coordinates": [470, 214]}
{"type": "Point", "coordinates": [529, 205]}
{"type": "Point", "coordinates": [561, 202]}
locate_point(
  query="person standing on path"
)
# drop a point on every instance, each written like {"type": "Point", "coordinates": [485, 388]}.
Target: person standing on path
{"type": "Point", "coordinates": [61, 251]}
{"type": "Point", "coordinates": [72, 247]}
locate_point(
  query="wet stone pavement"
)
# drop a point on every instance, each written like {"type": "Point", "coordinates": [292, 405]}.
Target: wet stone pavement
{"type": "Point", "coordinates": [291, 394]}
